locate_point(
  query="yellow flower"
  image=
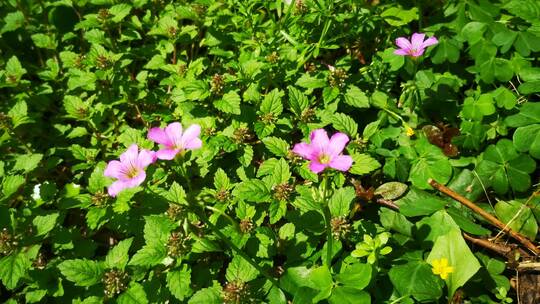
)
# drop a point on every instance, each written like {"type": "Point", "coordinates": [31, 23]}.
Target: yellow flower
{"type": "Point", "coordinates": [409, 131]}
{"type": "Point", "coordinates": [441, 268]}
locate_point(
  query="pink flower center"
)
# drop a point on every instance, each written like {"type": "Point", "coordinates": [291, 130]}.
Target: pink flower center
{"type": "Point", "coordinates": [132, 172]}
{"type": "Point", "coordinates": [324, 159]}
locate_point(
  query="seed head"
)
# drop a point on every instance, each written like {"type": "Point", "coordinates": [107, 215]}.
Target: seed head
{"type": "Point", "coordinates": [115, 282]}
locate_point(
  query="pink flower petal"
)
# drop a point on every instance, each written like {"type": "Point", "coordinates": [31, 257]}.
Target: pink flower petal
{"type": "Point", "coordinates": [303, 150]}
{"type": "Point", "coordinates": [193, 144]}
{"type": "Point", "coordinates": [190, 138]}
{"type": "Point", "coordinates": [146, 158]}
{"type": "Point", "coordinates": [403, 43]}
{"type": "Point", "coordinates": [319, 141]}
{"type": "Point", "coordinates": [131, 154]}
{"type": "Point", "coordinates": [167, 154]}
{"type": "Point", "coordinates": [135, 181]}
{"type": "Point", "coordinates": [116, 187]}
{"type": "Point", "coordinates": [174, 132]}
{"type": "Point", "coordinates": [159, 136]}
{"type": "Point", "coordinates": [417, 53]}
{"type": "Point", "coordinates": [114, 169]}
{"type": "Point", "coordinates": [401, 52]}
{"type": "Point", "coordinates": [337, 144]}
{"type": "Point", "coordinates": [341, 162]}
{"type": "Point", "coordinates": [316, 167]}
{"type": "Point", "coordinates": [417, 40]}
{"type": "Point", "coordinates": [429, 42]}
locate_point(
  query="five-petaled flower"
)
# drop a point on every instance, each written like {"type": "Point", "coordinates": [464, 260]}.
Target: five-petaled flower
{"type": "Point", "coordinates": [324, 152]}
{"type": "Point", "coordinates": [415, 47]}
{"type": "Point", "coordinates": [441, 268]}
{"type": "Point", "coordinates": [175, 140]}
{"type": "Point", "coordinates": [129, 171]}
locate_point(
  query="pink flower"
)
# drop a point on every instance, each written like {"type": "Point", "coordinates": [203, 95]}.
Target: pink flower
{"type": "Point", "coordinates": [129, 171]}
{"type": "Point", "coordinates": [324, 152]}
{"type": "Point", "coordinates": [174, 140]}
{"type": "Point", "coordinates": [415, 47]}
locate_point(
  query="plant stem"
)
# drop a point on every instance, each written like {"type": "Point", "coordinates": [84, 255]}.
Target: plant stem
{"type": "Point", "coordinates": [327, 218]}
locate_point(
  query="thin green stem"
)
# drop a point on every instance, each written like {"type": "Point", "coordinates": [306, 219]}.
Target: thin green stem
{"type": "Point", "coordinates": [327, 218]}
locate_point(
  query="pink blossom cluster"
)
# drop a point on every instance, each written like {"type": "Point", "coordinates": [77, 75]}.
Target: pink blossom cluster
{"type": "Point", "coordinates": [129, 171]}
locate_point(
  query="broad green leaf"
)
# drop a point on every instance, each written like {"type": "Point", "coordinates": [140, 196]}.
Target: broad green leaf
{"type": "Point", "coordinates": [134, 295]}
{"type": "Point", "coordinates": [179, 281]}
{"type": "Point", "coordinates": [349, 295]}
{"type": "Point", "coordinates": [517, 216]}
{"type": "Point", "coordinates": [82, 272]}
{"type": "Point", "coordinates": [391, 190]}
{"type": "Point", "coordinates": [356, 98]}
{"type": "Point", "coordinates": [118, 256]}
{"type": "Point", "coordinates": [272, 103]}
{"type": "Point", "coordinates": [341, 200]}
{"type": "Point", "coordinates": [45, 223]}
{"type": "Point", "coordinates": [176, 194]}
{"type": "Point", "coordinates": [356, 276]}
{"type": "Point", "coordinates": [344, 123]}
{"type": "Point", "coordinates": [397, 16]}
{"type": "Point", "coordinates": [477, 109]}
{"type": "Point", "coordinates": [252, 190]}
{"type": "Point", "coordinates": [229, 103]}
{"type": "Point", "coordinates": [157, 229]}
{"type": "Point", "coordinates": [528, 114]}
{"type": "Point", "coordinates": [149, 255]}
{"type": "Point", "coordinates": [27, 162]}
{"type": "Point", "coordinates": [416, 279]}
{"type": "Point", "coordinates": [430, 163]}
{"type": "Point", "coordinates": [276, 145]}
{"type": "Point", "coordinates": [210, 295]}
{"type": "Point", "coordinates": [527, 139]}
{"type": "Point", "coordinates": [363, 164]}
{"type": "Point", "coordinates": [298, 101]}
{"type": "Point", "coordinates": [12, 268]}
{"type": "Point", "coordinates": [418, 202]}
{"type": "Point", "coordinates": [11, 184]}
{"type": "Point", "coordinates": [452, 247]}
{"type": "Point", "coordinates": [446, 50]}
{"type": "Point", "coordinates": [239, 269]}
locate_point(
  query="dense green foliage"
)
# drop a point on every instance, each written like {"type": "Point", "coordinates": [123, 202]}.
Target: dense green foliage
{"type": "Point", "coordinates": [243, 219]}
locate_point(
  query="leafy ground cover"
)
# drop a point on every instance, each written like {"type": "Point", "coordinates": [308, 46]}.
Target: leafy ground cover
{"type": "Point", "coordinates": [301, 151]}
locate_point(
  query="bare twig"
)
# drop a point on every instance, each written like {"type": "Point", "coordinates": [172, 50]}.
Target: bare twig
{"type": "Point", "coordinates": [490, 218]}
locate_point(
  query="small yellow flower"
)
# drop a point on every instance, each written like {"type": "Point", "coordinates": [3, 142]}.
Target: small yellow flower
{"type": "Point", "coordinates": [441, 268]}
{"type": "Point", "coordinates": [409, 131]}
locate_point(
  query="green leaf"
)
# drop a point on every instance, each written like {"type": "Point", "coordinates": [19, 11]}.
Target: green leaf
{"type": "Point", "coordinates": [12, 268]}
{"type": "Point", "coordinates": [45, 223]}
{"type": "Point", "coordinates": [272, 103]}
{"type": "Point", "coordinates": [430, 163]}
{"type": "Point", "coordinates": [97, 180]}
{"type": "Point", "coordinates": [345, 124]}
{"type": "Point", "coordinates": [44, 41]}
{"type": "Point", "coordinates": [528, 114]}
{"type": "Point", "coordinates": [363, 164]}
{"type": "Point", "coordinates": [276, 145]}
{"type": "Point", "coordinates": [503, 167]}
{"type": "Point", "coordinates": [75, 107]}
{"type": "Point", "coordinates": [418, 202]}
{"type": "Point", "coordinates": [349, 295]}
{"type": "Point", "coordinates": [179, 282]}
{"type": "Point", "coordinates": [119, 12]}
{"type": "Point", "coordinates": [341, 200]}
{"type": "Point", "coordinates": [391, 190]}
{"type": "Point", "coordinates": [176, 194]}
{"type": "Point", "coordinates": [517, 216]}
{"type": "Point", "coordinates": [229, 103]}
{"type": "Point", "coordinates": [118, 256]}
{"type": "Point", "coordinates": [19, 114]}
{"type": "Point", "coordinates": [27, 162]}
{"type": "Point", "coordinates": [11, 184]}
{"type": "Point", "coordinates": [452, 247]}
{"type": "Point", "coordinates": [149, 255]}
{"type": "Point", "coordinates": [397, 16]}
{"type": "Point", "coordinates": [157, 229]}
{"type": "Point", "coordinates": [477, 109]}
{"type": "Point", "coordinates": [416, 279]}
{"type": "Point", "coordinates": [446, 50]}
{"type": "Point", "coordinates": [281, 172]}
{"type": "Point", "coordinates": [252, 190]}
{"type": "Point", "coordinates": [240, 269]}
{"type": "Point", "coordinates": [356, 276]}
{"type": "Point", "coordinates": [134, 295]}
{"type": "Point", "coordinates": [82, 272]}
{"type": "Point", "coordinates": [527, 139]}
{"type": "Point", "coordinates": [210, 295]}
{"type": "Point", "coordinates": [14, 69]}
{"type": "Point", "coordinates": [221, 180]}
{"type": "Point", "coordinates": [298, 101]}
{"type": "Point", "coordinates": [309, 82]}
{"type": "Point", "coordinates": [356, 98]}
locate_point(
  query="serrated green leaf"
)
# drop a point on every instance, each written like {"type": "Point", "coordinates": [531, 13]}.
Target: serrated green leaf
{"type": "Point", "coordinates": [118, 256]}
{"type": "Point", "coordinates": [82, 272]}
{"type": "Point", "coordinates": [179, 281]}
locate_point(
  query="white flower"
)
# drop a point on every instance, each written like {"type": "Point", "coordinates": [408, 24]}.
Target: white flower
{"type": "Point", "coordinates": [37, 192]}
